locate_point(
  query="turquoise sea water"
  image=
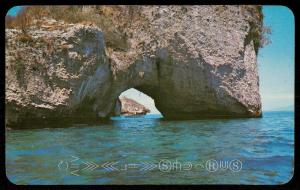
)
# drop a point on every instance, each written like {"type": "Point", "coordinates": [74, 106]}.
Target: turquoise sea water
{"type": "Point", "coordinates": [150, 150]}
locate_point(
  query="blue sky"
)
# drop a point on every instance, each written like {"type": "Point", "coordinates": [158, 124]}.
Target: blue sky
{"type": "Point", "coordinates": [13, 11]}
{"type": "Point", "coordinates": [276, 62]}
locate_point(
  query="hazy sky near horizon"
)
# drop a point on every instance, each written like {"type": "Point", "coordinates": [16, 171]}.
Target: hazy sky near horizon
{"type": "Point", "coordinates": [276, 62]}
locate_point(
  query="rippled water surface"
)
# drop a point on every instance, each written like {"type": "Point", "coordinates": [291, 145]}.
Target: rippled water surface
{"type": "Point", "coordinates": [150, 150]}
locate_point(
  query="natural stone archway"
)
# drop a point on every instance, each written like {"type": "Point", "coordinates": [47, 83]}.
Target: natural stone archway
{"type": "Point", "coordinates": [192, 65]}
{"type": "Point", "coordinates": [172, 86]}
{"type": "Point", "coordinates": [133, 102]}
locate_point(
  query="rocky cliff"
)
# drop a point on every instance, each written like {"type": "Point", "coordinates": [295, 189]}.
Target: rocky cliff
{"type": "Point", "coordinates": [128, 107]}
{"type": "Point", "coordinates": [194, 61]}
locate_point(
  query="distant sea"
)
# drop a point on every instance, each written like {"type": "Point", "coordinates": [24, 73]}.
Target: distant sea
{"type": "Point", "coordinates": [150, 150]}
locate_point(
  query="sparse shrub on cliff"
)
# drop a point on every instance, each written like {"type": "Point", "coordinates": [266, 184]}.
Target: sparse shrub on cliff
{"type": "Point", "coordinates": [24, 17]}
{"type": "Point", "coordinates": [258, 33]}
{"type": "Point", "coordinates": [24, 37]}
{"type": "Point", "coordinates": [69, 14]}
{"type": "Point", "coordinates": [114, 22]}
{"type": "Point", "coordinates": [259, 36]}
{"type": "Point", "coordinates": [253, 35]}
{"type": "Point", "coordinates": [9, 21]}
{"type": "Point", "coordinates": [23, 20]}
{"type": "Point", "coordinates": [101, 16]}
{"type": "Point", "coordinates": [265, 40]}
{"type": "Point", "coordinates": [36, 12]}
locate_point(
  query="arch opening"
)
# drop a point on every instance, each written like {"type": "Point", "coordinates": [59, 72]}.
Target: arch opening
{"type": "Point", "coordinates": [139, 97]}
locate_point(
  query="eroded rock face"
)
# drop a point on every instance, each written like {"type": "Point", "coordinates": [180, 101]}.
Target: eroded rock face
{"type": "Point", "coordinates": [194, 61]}
{"type": "Point", "coordinates": [128, 107]}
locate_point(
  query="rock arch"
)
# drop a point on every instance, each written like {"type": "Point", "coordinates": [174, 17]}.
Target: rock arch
{"type": "Point", "coordinates": [189, 66]}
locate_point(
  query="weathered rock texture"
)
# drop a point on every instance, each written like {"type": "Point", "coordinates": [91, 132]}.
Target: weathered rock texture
{"type": "Point", "coordinates": [128, 107]}
{"type": "Point", "coordinates": [194, 61]}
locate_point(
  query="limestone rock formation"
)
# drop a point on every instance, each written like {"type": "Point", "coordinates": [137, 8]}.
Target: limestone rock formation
{"type": "Point", "coordinates": [194, 61]}
{"type": "Point", "coordinates": [129, 107]}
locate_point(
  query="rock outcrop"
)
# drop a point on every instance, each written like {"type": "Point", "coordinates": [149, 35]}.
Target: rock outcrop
{"type": "Point", "coordinates": [129, 107]}
{"type": "Point", "coordinates": [194, 61]}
